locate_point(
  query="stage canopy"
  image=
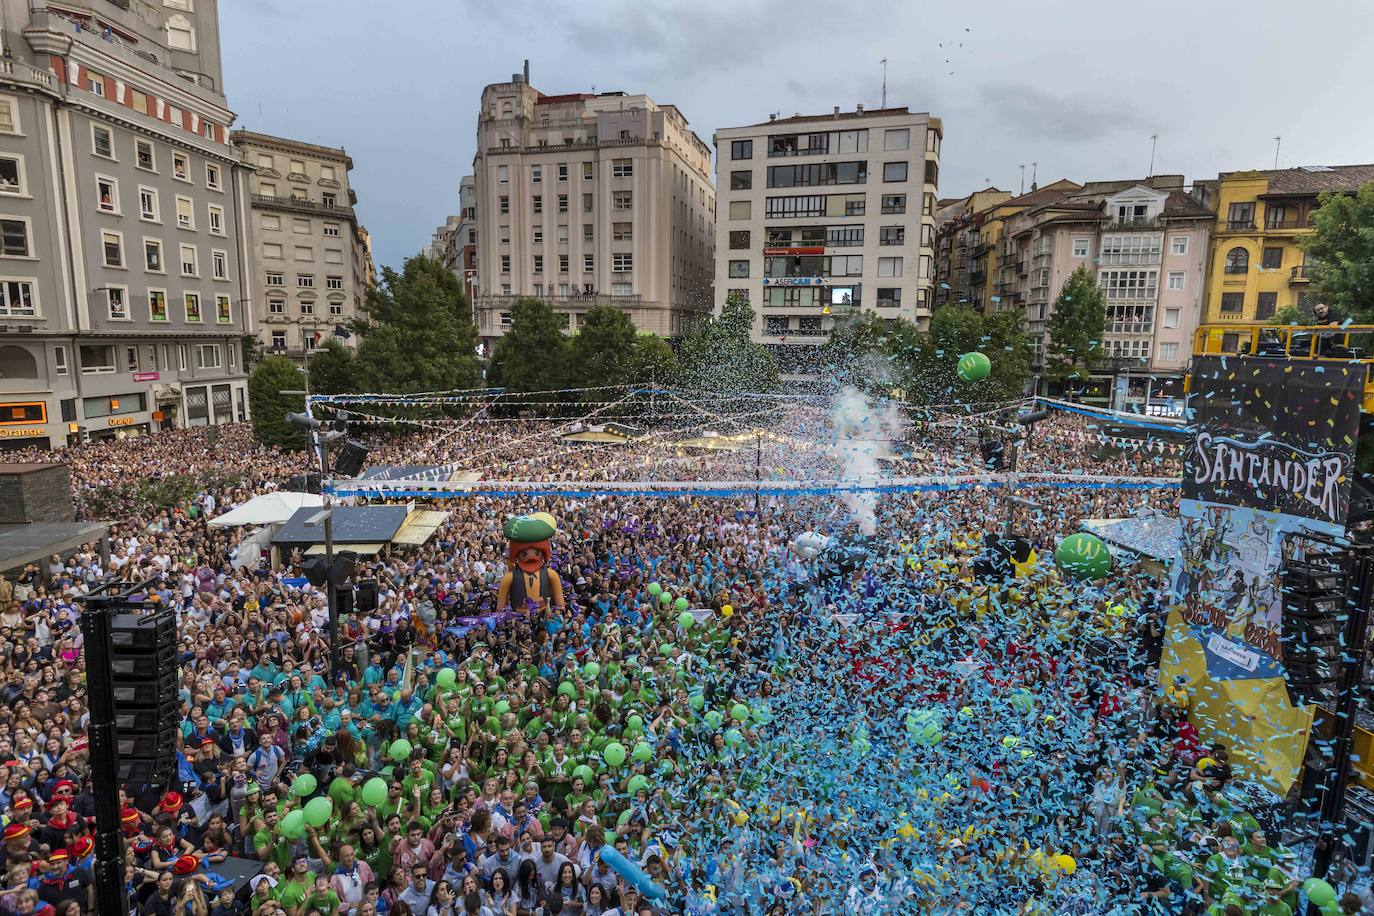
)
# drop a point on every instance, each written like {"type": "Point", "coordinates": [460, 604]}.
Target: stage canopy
{"type": "Point", "coordinates": [268, 509]}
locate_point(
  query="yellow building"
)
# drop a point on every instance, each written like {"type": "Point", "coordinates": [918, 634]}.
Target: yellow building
{"type": "Point", "coordinates": [1256, 267]}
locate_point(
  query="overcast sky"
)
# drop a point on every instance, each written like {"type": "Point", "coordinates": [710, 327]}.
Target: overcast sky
{"type": "Point", "coordinates": [1078, 86]}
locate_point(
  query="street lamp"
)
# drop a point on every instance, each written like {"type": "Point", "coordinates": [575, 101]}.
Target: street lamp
{"type": "Point", "coordinates": [321, 439]}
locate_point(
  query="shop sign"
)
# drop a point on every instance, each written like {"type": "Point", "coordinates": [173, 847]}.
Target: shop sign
{"type": "Point", "coordinates": [795, 281]}
{"type": "Point", "coordinates": [807, 250]}
{"type": "Point", "coordinates": [147, 376]}
{"type": "Point", "coordinates": [120, 421]}
{"type": "Point", "coordinates": [22, 432]}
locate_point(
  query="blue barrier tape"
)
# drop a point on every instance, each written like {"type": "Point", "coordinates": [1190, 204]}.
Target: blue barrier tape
{"type": "Point", "coordinates": [1114, 418]}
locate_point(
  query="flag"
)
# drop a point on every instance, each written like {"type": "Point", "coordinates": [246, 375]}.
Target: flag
{"type": "Point", "coordinates": [342, 332]}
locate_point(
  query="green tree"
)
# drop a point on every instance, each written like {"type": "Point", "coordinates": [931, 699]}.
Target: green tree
{"type": "Point", "coordinates": [603, 351]}
{"type": "Point", "coordinates": [1076, 327]}
{"type": "Point", "coordinates": [273, 375]}
{"type": "Point", "coordinates": [653, 362]}
{"type": "Point", "coordinates": [857, 353]}
{"type": "Point", "coordinates": [417, 332]}
{"type": "Point", "coordinates": [332, 369]}
{"type": "Point", "coordinates": [719, 356]}
{"type": "Point", "coordinates": [533, 354]}
{"type": "Point", "coordinates": [1340, 252]}
{"type": "Point", "coordinates": [1289, 314]}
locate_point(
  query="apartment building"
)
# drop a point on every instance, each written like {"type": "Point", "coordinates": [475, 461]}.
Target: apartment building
{"type": "Point", "coordinates": [122, 205]}
{"type": "Point", "coordinates": [956, 238]}
{"type": "Point", "coordinates": [985, 259]}
{"type": "Point", "coordinates": [309, 258]}
{"type": "Point", "coordinates": [823, 216]}
{"type": "Point", "coordinates": [1257, 265]}
{"type": "Point", "coordinates": [591, 199]}
{"type": "Point", "coordinates": [455, 243]}
{"type": "Point", "coordinates": [1145, 242]}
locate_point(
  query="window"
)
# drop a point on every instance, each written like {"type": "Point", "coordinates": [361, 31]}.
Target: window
{"type": "Point", "coordinates": [157, 305]}
{"type": "Point", "coordinates": [152, 256]}
{"type": "Point", "coordinates": [503, 234]}
{"type": "Point", "coordinates": [889, 297]}
{"type": "Point", "coordinates": [503, 204]}
{"type": "Point", "coordinates": [622, 262]}
{"type": "Point", "coordinates": [207, 356]}
{"type": "Point", "coordinates": [742, 149]}
{"type": "Point", "coordinates": [278, 340]}
{"type": "Point", "coordinates": [562, 171]}
{"type": "Point", "coordinates": [889, 267]}
{"type": "Point", "coordinates": [1232, 303]}
{"type": "Point", "coordinates": [308, 307]}
{"type": "Point", "coordinates": [59, 360]}
{"type": "Point", "coordinates": [1172, 317]}
{"type": "Point", "coordinates": [851, 141]}
{"type": "Point", "coordinates": [219, 265]}
{"type": "Point", "coordinates": [622, 168]}
{"type": "Point", "coordinates": [331, 230]}
{"type": "Point", "coordinates": [212, 177]}
{"type": "Point", "coordinates": [845, 265]}
{"type": "Point", "coordinates": [275, 278]}
{"type": "Point", "coordinates": [622, 200]}
{"type": "Point", "coordinates": [1080, 248]}
{"type": "Point", "coordinates": [1176, 279]}
{"type": "Point", "coordinates": [536, 174]}
{"type": "Point", "coordinates": [207, 130]}
{"type": "Point", "coordinates": [588, 264]}
{"type": "Point", "coordinates": [270, 221]}
{"type": "Point", "coordinates": [181, 167]}
{"type": "Point", "coordinates": [112, 246]}
{"type": "Point", "coordinates": [1178, 244]}
{"type": "Point", "coordinates": [1266, 305]}
{"type": "Point", "coordinates": [11, 175]}
{"type": "Point", "coordinates": [193, 315]}
{"type": "Point", "coordinates": [840, 237]}
{"type": "Point", "coordinates": [186, 215]}
{"type": "Point", "coordinates": [333, 282]}
{"type": "Point", "coordinates": [101, 144]}
{"type": "Point", "coordinates": [932, 172]}
{"type": "Point", "coordinates": [182, 362]}
{"type": "Point", "coordinates": [329, 201]}
{"type": "Point", "coordinates": [336, 308]}
{"type": "Point", "coordinates": [894, 203]}
{"type": "Point", "coordinates": [216, 219]}
{"type": "Point", "coordinates": [892, 235]}
{"type": "Point", "coordinates": [742, 209]}
{"type": "Point", "coordinates": [1241, 216]}
{"type": "Point", "coordinates": [276, 306]}
{"type": "Point", "coordinates": [333, 256]}
{"type": "Point", "coordinates": [180, 35]}
{"type": "Point", "coordinates": [9, 118]}
{"type": "Point", "coordinates": [147, 204]}
{"type": "Point", "coordinates": [140, 101]}
{"type": "Point", "coordinates": [107, 194]}
{"type": "Point", "coordinates": [1134, 248]}
{"type": "Point", "coordinates": [1129, 284]}
{"type": "Point", "coordinates": [787, 207]}
{"type": "Point", "coordinates": [539, 263]}
{"type": "Point", "coordinates": [1272, 259]}
{"type": "Point", "coordinates": [562, 263]}
{"type": "Point", "coordinates": [189, 265]}
{"type": "Point", "coordinates": [14, 238]}
{"type": "Point", "coordinates": [817, 174]}
{"type": "Point", "coordinates": [896, 139]}
{"type": "Point", "coordinates": [117, 301]}
{"type": "Point", "coordinates": [17, 299]}
{"type": "Point", "coordinates": [97, 360]}
{"type": "Point", "coordinates": [739, 239]}
{"type": "Point", "coordinates": [588, 232]}
{"type": "Point", "coordinates": [587, 166]}
{"type": "Point", "coordinates": [894, 171]}
{"type": "Point", "coordinates": [503, 174]}
{"type": "Point", "coordinates": [272, 251]}
{"type": "Point", "coordinates": [537, 203]}
{"type": "Point", "coordinates": [300, 226]}
{"type": "Point", "coordinates": [928, 204]}
{"type": "Point", "coordinates": [143, 156]}
{"type": "Point", "coordinates": [304, 253]}
{"type": "Point", "coordinates": [739, 268]}
{"type": "Point", "coordinates": [854, 205]}
{"type": "Point", "coordinates": [305, 281]}
{"type": "Point", "coordinates": [1237, 261]}
{"type": "Point", "coordinates": [741, 180]}
{"type": "Point", "coordinates": [505, 263]}
{"type": "Point", "coordinates": [1168, 352]}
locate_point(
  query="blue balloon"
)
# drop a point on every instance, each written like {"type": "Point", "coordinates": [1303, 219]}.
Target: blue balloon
{"type": "Point", "coordinates": [632, 873]}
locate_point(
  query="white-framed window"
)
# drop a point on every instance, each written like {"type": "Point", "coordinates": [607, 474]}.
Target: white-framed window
{"type": "Point", "coordinates": [327, 173]}
{"type": "Point", "coordinates": [1129, 284]}
{"type": "Point", "coordinates": [304, 253]}
{"type": "Point", "coordinates": [275, 278]}
{"type": "Point", "coordinates": [97, 359]}
{"type": "Point", "coordinates": [1178, 244]}
{"type": "Point", "coordinates": [305, 281]}
{"type": "Point", "coordinates": [144, 156]}
{"type": "Point", "coordinates": [148, 209]}
{"type": "Point", "coordinates": [562, 171]}
{"type": "Point", "coordinates": [536, 174]}
{"type": "Point", "coordinates": [588, 263]}
{"type": "Point", "coordinates": [186, 213]}
{"type": "Point", "coordinates": [562, 233]}
{"type": "Point", "coordinates": [18, 297]}
{"type": "Point", "coordinates": [181, 167]}
{"type": "Point", "coordinates": [276, 306]}
{"type": "Point", "coordinates": [621, 262]}
{"type": "Point", "coordinates": [181, 35]}
{"type": "Point", "coordinates": [537, 203]}
{"type": "Point", "coordinates": [333, 282]}
{"type": "Point", "coordinates": [622, 200]}
{"type": "Point", "coordinates": [102, 142]}
{"type": "Point", "coordinates": [112, 248]}
{"type": "Point", "coordinates": [224, 314]}
{"type": "Point", "coordinates": [898, 138]}
{"type": "Point", "coordinates": [95, 83]}
{"type": "Point", "coordinates": [193, 313]}
{"type": "Point", "coordinates": [152, 256]}
{"type": "Point", "coordinates": [622, 289]}
{"type": "Point", "coordinates": [505, 263]}
{"type": "Point", "coordinates": [219, 265]}
{"type": "Point", "coordinates": [622, 168]}
{"type": "Point", "coordinates": [539, 263]}
{"type": "Point", "coordinates": [1173, 317]}
{"type": "Point", "coordinates": [1168, 351]}
{"type": "Point", "coordinates": [503, 204]}
{"type": "Point", "coordinates": [1176, 279]}
{"type": "Point", "coordinates": [889, 267]}
{"type": "Point", "coordinates": [216, 213]}
{"type": "Point", "coordinates": [207, 130]}
{"type": "Point", "coordinates": [59, 360]}
{"type": "Point", "coordinates": [157, 305]}
{"type": "Point", "coordinates": [562, 263]}
{"type": "Point", "coordinates": [278, 340]}
{"type": "Point", "coordinates": [207, 356]}
{"type": "Point", "coordinates": [1080, 248]}
{"type": "Point", "coordinates": [190, 265]}
{"type": "Point", "coordinates": [106, 194]}
{"type": "Point", "coordinates": [12, 174]}
{"type": "Point", "coordinates": [182, 361]}
{"type": "Point", "coordinates": [9, 115]}
{"type": "Point", "coordinates": [15, 232]}
{"type": "Point", "coordinates": [331, 230]}
{"type": "Point", "coordinates": [503, 174]}
{"type": "Point", "coordinates": [538, 237]}
{"type": "Point", "coordinates": [311, 339]}
{"type": "Point", "coordinates": [307, 307]}
{"type": "Point", "coordinates": [336, 309]}
{"type": "Point", "coordinates": [117, 303]}
{"type": "Point", "coordinates": [271, 251]}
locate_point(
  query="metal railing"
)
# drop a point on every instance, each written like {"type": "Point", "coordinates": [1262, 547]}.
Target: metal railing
{"type": "Point", "coordinates": [1279, 224]}
{"type": "Point", "coordinates": [1342, 342]}
{"type": "Point", "coordinates": [1240, 225]}
{"type": "Point", "coordinates": [300, 203]}
{"type": "Point", "coordinates": [1299, 274]}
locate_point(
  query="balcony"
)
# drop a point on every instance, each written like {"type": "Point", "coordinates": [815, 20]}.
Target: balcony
{"type": "Point", "coordinates": [1240, 225]}
{"type": "Point", "coordinates": [18, 70]}
{"type": "Point", "coordinates": [1284, 225]}
{"type": "Point", "coordinates": [299, 203]}
{"type": "Point", "coordinates": [1299, 276]}
{"type": "Point", "coordinates": [1132, 225]}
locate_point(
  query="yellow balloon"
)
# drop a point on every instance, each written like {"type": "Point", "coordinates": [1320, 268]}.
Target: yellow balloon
{"type": "Point", "coordinates": [1065, 863]}
{"type": "Point", "coordinates": [727, 611]}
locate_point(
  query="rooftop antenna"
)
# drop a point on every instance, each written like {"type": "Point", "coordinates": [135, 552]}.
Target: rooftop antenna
{"type": "Point", "coordinates": [1278, 142]}
{"type": "Point", "coordinates": [1035, 171]}
{"type": "Point", "coordinates": [1154, 142]}
{"type": "Point", "coordinates": [1023, 178]}
{"type": "Point", "coordinates": [884, 63]}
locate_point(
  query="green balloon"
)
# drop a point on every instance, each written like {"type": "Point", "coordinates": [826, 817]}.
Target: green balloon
{"type": "Point", "coordinates": [714, 718]}
{"type": "Point", "coordinates": [665, 767]}
{"type": "Point", "coordinates": [761, 714]}
{"type": "Point", "coordinates": [685, 620]}
{"type": "Point", "coordinates": [655, 589]}
{"type": "Point", "coordinates": [634, 721]}
{"type": "Point", "coordinates": [1083, 556]}
{"type": "Point", "coordinates": [1022, 700]}
{"type": "Point", "coordinates": [624, 816]}
{"type": "Point", "coordinates": [666, 649]}
{"type": "Point", "coordinates": [304, 786]}
{"type": "Point", "coordinates": [374, 791]}
{"type": "Point", "coordinates": [643, 752]}
{"type": "Point", "coordinates": [681, 604]}
{"type": "Point", "coordinates": [567, 689]}
{"type": "Point", "coordinates": [974, 367]}
{"type": "Point", "coordinates": [739, 712]}
{"type": "Point", "coordinates": [696, 700]}
{"type": "Point", "coordinates": [292, 825]}
{"type": "Point", "coordinates": [614, 754]}
{"type": "Point", "coordinates": [1319, 892]}
{"type": "Point", "coordinates": [400, 750]}
{"type": "Point", "coordinates": [446, 678]}
{"type": "Point", "coordinates": [637, 782]}
{"type": "Point", "coordinates": [665, 598]}
{"type": "Point", "coordinates": [585, 773]}
{"type": "Point", "coordinates": [318, 811]}
{"type": "Point", "coordinates": [734, 737]}
{"type": "Point", "coordinates": [591, 670]}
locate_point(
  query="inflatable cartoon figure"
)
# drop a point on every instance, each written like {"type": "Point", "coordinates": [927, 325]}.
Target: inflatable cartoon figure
{"type": "Point", "coordinates": [529, 582]}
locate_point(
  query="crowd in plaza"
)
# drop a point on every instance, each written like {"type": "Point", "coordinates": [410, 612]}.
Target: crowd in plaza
{"type": "Point", "coordinates": [473, 760]}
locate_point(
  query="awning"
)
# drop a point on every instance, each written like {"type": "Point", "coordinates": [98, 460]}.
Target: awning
{"type": "Point", "coordinates": [420, 527]}
{"type": "Point", "coordinates": [597, 437]}
{"type": "Point", "coordinates": [365, 550]}
{"type": "Point", "coordinates": [267, 509]}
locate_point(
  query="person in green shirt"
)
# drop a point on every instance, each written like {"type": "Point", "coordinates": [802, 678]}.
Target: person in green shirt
{"type": "Point", "coordinates": [1273, 904]}
{"type": "Point", "coordinates": [292, 890]}
{"type": "Point", "coordinates": [1259, 855]}
{"type": "Point", "coordinates": [1225, 869]}
{"type": "Point", "coordinates": [268, 846]}
{"type": "Point", "coordinates": [322, 898]}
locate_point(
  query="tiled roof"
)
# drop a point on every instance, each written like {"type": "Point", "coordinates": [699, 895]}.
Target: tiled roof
{"type": "Point", "coordinates": [1331, 178]}
{"type": "Point", "coordinates": [1181, 204]}
{"type": "Point", "coordinates": [1045, 195]}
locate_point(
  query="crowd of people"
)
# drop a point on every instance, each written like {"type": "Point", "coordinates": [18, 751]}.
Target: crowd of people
{"type": "Point", "coordinates": [772, 738]}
